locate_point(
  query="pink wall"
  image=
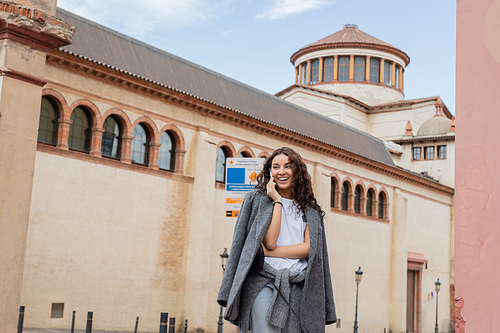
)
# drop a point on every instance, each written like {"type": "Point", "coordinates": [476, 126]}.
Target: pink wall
{"type": "Point", "coordinates": [477, 202]}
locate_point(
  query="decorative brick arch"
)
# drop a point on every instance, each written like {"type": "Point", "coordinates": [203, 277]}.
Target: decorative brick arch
{"type": "Point", "coordinates": [59, 100]}
{"type": "Point", "coordinates": [336, 196]}
{"type": "Point", "coordinates": [180, 150]}
{"type": "Point", "coordinates": [63, 121]}
{"type": "Point", "coordinates": [95, 114]}
{"type": "Point", "coordinates": [229, 146]}
{"type": "Point", "coordinates": [121, 116]}
{"type": "Point", "coordinates": [154, 139]}
{"type": "Point", "coordinates": [385, 207]}
{"type": "Point", "coordinates": [264, 154]}
{"type": "Point", "coordinates": [362, 199]}
{"type": "Point", "coordinates": [350, 195]}
{"type": "Point", "coordinates": [245, 149]}
{"type": "Point", "coordinates": [372, 188]}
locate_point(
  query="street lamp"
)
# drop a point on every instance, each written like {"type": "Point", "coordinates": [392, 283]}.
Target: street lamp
{"type": "Point", "coordinates": [438, 286]}
{"type": "Point", "coordinates": [224, 256]}
{"type": "Point", "coordinates": [359, 274]}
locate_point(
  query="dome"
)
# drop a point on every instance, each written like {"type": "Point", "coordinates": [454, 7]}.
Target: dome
{"type": "Point", "coordinates": [437, 125]}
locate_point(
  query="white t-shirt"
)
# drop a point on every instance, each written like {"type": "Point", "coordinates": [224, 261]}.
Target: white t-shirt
{"type": "Point", "coordinates": [291, 233]}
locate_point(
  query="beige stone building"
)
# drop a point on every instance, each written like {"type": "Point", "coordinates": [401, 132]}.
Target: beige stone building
{"type": "Point", "coordinates": [128, 205]}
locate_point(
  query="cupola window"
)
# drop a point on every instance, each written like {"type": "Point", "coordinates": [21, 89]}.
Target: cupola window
{"type": "Point", "coordinates": [328, 69]}
{"type": "Point", "coordinates": [359, 69]}
{"type": "Point", "coordinates": [304, 73]}
{"type": "Point", "coordinates": [343, 68]}
{"type": "Point", "coordinates": [374, 70]}
{"type": "Point", "coordinates": [314, 71]}
{"type": "Point", "coordinates": [387, 73]}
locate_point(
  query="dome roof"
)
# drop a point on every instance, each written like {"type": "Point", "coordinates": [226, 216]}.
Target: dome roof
{"type": "Point", "coordinates": [437, 125]}
{"type": "Point", "coordinates": [351, 36]}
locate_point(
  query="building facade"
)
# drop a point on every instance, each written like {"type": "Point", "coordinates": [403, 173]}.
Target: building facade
{"type": "Point", "coordinates": [128, 207]}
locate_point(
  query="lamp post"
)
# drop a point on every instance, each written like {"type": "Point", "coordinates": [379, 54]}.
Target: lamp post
{"type": "Point", "coordinates": [359, 274]}
{"type": "Point", "coordinates": [438, 286]}
{"type": "Point", "coordinates": [224, 256]}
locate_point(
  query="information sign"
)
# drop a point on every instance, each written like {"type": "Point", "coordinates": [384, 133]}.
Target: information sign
{"type": "Point", "coordinates": [241, 178]}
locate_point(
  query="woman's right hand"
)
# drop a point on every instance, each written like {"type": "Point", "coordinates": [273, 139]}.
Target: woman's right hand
{"type": "Point", "coordinates": [271, 190]}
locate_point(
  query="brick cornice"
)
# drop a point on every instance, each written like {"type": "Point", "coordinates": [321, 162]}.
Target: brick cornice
{"type": "Point", "coordinates": [33, 28]}
{"type": "Point", "coordinates": [152, 89]}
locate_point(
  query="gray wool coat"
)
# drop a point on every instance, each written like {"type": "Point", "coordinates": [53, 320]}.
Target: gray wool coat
{"type": "Point", "coordinates": [317, 307]}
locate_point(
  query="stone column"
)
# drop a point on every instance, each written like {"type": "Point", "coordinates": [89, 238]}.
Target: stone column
{"type": "Point", "coordinates": [300, 73]}
{"type": "Point", "coordinates": [401, 84]}
{"type": "Point", "coordinates": [320, 77]}
{"type": "Point", "coordinates": [27, 33]}
{"type": "Point", "coordinates": [154, 148]}
{"type": "Point", "coordinates": [393, 74]}
{"type": "Point", "coordinates": [95, 141]}
{"type": "Point", "coordinates": [126, 148]}
{"type": "Point", "coordinates": [351, 67]}
{"type": "Point", "coordinates": [382, 62]}
{"type": "Point", "coordinates": [296, 75]}
{"type": "Point", "coordinates": [399, 256]}
{"type": "Point", "coordinates": [368, 58]}
{"type": "Point", "coordinates": [63, 133]}
{"type": "Point", "coordinates": [335, 67]}
{"type": "Point", "coordinates": [308, 73]}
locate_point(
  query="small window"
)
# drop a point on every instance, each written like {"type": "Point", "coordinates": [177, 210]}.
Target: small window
{"type": "Point", "coordinates": [57, 310]}
{"type": "Point", "coordinates": [140, 145]}
{"type": "Point", "coordinates": [244, 154]}
{"type": "Point", "coordinates": [387, 73]}
{"type": "Point", "coordinates": [110, 145]}
{"type": "Point", "coordinates": [333, 190]}
{"type": "Point", "coordinates": [374, 70]}
{"type": "Point", "coordinates": [369, 202]}
{"type": "Point", "coordinates": [314, 71]}
{"type": "Point", "coordinates": [344, 68]}
{"type": "Point", "coordinates": [344, 200]}
{"type": "Point", "coordinates": [328, 70]}
{"type": "Point", "coordinates": [304, 73]}
{"type": "Point", "coordinates": [397, 76]}
{"type": "Point", "coordinates": [47, 125]}
{"type": "Point", "coordinates": [381, 206]}
{"type": "Point", "coordinates": [359, 69]}
{"type": "Point", "coordinates": [220, 165]}
{"type": "Point", "coordinates": [166, 153]}
{"type": "Point", "coordinates": [357, 199]}
{"type": "Point", "coordinates": [442, 152]}
{"type": "Point", "coordinates": [429, 153]}
{"type": "Point", "coordinates": [416, 153]}
{"type": "Point", "coordinates": [79, 130]}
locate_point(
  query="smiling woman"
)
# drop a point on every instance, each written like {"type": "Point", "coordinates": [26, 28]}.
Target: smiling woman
{"type": "Point", "coordinates": [282, 211]}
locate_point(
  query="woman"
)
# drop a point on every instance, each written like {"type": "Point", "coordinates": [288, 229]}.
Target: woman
{"type": "Point", "coordinates": [292, 292]}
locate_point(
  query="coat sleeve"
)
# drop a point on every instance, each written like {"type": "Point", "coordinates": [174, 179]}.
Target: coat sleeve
{"type": "Point", "coordinates": [330, 313]}
{"type": "Point", "coordinates": [239, 237]}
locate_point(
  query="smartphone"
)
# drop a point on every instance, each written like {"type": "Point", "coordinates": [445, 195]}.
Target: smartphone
{"type": "Point", "coordinates": [270, 174]}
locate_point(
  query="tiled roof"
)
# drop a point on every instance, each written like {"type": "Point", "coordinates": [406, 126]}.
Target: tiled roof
{"type": "Point", "coordinates": [350, 34]}
{"type": "Point", "coordinates": [110, 48]}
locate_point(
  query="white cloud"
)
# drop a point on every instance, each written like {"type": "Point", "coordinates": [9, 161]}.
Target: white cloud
{"type": "Point", "coordinates": [281, 9]}
{"type": "Point", "coordinates": [138, 18]}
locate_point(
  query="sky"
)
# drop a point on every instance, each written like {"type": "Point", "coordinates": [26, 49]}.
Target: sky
{"type": "Point", "coordinates": [252, 41]}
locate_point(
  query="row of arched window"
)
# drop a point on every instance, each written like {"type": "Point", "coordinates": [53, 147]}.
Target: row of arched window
{"type": "Point", "coordinates": [112, 139]}
{"type": "Point", "coordinates": [344, 68]}
{"type": "Point", "coordinates": [357, 199]}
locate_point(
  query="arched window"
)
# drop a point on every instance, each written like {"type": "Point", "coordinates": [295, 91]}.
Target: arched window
{"type": "Point", "coordinates": [166, 154]}
{"type": "Point", "coordinates": [244, 154]}
{"type": "Point", "coordinates": [220, 164]}
{"type": "Point", "coordinates": [111, 140]}
{"type": "Point", "coordinates": [47, 126]}
{"type": "Point", "coordinates": [381, 204]}
{"type": "Point", "coordinates": [357, 199]}
{"type": "Point", "coordinates": [369, 202]}
{"type": "Point", "coordinates": [333, 190]}
{"type": "Point", "coordinates": [345, 196]}
{"type": "Point", "coordinates": [79, 130]}
{"type": "Point", "coordinates": [140, 145]}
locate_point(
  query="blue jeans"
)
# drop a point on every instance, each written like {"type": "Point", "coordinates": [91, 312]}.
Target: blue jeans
{"type": "Point", "coordinates": [258, 323]}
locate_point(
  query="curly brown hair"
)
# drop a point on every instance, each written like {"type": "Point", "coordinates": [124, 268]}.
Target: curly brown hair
{"type": "Point", "coordinates": [302, 191]}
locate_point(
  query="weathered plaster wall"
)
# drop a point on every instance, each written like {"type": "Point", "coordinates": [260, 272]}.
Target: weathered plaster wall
{"type": "Point", "coordinates": [477, 230]}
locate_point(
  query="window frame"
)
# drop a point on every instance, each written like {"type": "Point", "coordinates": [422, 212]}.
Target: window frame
{"type": "Point", "coordinates": [117, 137]}
{"type": "Point", "coordinates": [343, 69]}
{"type": "Point", "coordinates": [440, 152]}
{"type": "Point", "coordinates": [414, 150]}
{"type": "Point", "coordinates": [359, 69]}
{"type": "Point", "coordinates": [87, 131]}
{"type": "Point", "coordinates": [55, 121]}
{"type": "Point", "coordinates": [374, 70]}
{"type": "Point", "coordinates": [426, 152]}
{"type": "Point", "coordinates": [171, 152]}
{"type": "Point", "coordinates": [146, 145]}
{"type": "Point", "coordinates": [328, 69]}
{"type": "Point", "coordinates": [226, 153]}
{"type": "Point", "coordinates": [346, 188]}
{"type": "Point", "coordinates": [314, 71]}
